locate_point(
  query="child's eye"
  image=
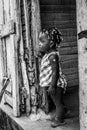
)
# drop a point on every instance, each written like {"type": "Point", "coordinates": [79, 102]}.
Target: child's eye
{"type": "Point", "coordinates": [43, 40]}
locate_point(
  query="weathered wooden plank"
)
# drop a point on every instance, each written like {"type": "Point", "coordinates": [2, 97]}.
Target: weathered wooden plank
{"type": "Point", "coordinates": [35, 23]}
{"type": "Point", "coordinates": [23, 19]}
{"type": "Point", "coordinates": [68, 44]}
{"type": "Point", "coordinates": [68, 50]}
{"type": "Point", "coordinates": [73, 83]}
{"type": "Point", "coordinates": [24, 34]}
{"type": "Point", "coordinates": [25, 78]}
{"type": "Point", "coordinates": [69, 64]}
{"type": "Point", "coordinates": [7, 29]}
{"type": "Point", "coordinates": [27, 37]}
{"type": "Point", "coordinates": [26, 24]}
{"type": "Point", "coordinates": [9, 59]}
{"type": "Point", "coordinates": [14, 76]}
{"type": "Point", "coordinates": [72, 77]}
{"type": "Point", "coordinates": [13, 66]}
{"type": "Point", "coordinates": [68, 71]}
{"type": "Point", "coordinates": [1, 65]}
{"type": "Point", "coordinates": [35, 27]}
{"type": "Point", "coordinates": [22, 13]}
{"type": "Point", "coordinates": [4, 55]}
{"type": "Point", "coordinates": [1, 13]}
{"type": "Point", "coordinates": [63, 26]}
{"type": "Point", "coordinates": [58, 16]}
{"type": "Point", "coordinates": [69, 39]}
{"type": "Point", "coordinates": [57, 8]}
{"type": "Point", "coordinates": [6, 10]}
{"type": "Point", "coordinates": [23, 28]}
{"type": "Point", "coordinates": [1, 56]}
{"type": "Point", "coordinates": [10, 99]}
{"type": "Point", "coordinates": [57, 2]}
{"type": "Point", "coordinates": [2, 45]}
{"type": "Point", "coordinates": [15, 14]}
{"type": "Point", "coordinates": [62, 23]}
{"type": "Point", "coordinates": [69, 32]}
{"type": "Point", "coordinates": [70, 27]}
{"type": "Point", "coordinates": [22, 4]}
{"type": "Point", "coordinates": [64, 58]}
{"type": "Point", "coordinates": [82, 54]}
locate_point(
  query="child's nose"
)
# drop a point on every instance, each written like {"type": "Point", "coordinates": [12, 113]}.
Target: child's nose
{"type": "Point", "coordinates": [40, 43]}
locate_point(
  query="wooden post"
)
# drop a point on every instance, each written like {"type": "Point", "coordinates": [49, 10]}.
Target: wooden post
{"type": "Point", "coordinates": [15, 39]}
{"type": "Point", "coordinates": [82, 60]}
{"type": "Point", "coordinates": [28, 47]}
{"type": "Point", "coordinates": [27, 27]}
{"type": "Point", "coordinates": [32, 27]}
{"type": "Point", "coordinates": [1, 58]}
{"type": "Point", "coordinates": [35, 29]}
{"type": "Point", "coordinates": [36, 25]}
{"type": "Point", "coordinates": [10, 43]}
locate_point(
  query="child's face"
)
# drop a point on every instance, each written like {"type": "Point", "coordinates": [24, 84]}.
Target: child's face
{"type": "Point", "coordinates": [44, 45]}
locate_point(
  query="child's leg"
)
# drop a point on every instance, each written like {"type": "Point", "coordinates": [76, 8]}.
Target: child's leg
{"type": "Point", "coordinates": [43, 101]}
{"type": "Point", "coordinates": [57, 99]}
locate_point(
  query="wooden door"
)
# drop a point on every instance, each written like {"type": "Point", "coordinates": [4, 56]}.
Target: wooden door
{"type": "Point", "coordinates": [9, 52]}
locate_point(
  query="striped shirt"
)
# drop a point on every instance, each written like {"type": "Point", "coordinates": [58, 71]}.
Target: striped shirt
{"type": "Point", "coordinates": [46, 71]}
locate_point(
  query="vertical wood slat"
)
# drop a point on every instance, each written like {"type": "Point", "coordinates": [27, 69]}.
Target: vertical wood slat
{"type": "Point", "coordinates": [5, 19]}
{"type": "Point", "coordinates": [1, 65]}
{"type": "Point", "coordinates": [14, 68]}
{"type": "Point", "coordinates": [82, 60]}
{"type": "Point", "coordinates": [3, 46]}
{"type": "Point", "coordinates": [27, 24]}
{"type": "Point", "coordinates": [1, 51]}
{"type": "Point", "coordinates": [35, 29]}
{"type": "Point", "coordinates": [14, 40]}
{"type": "Point", "coordinates": [25, 79]}
{"type": "Point", "coordinates": [27, 27]}
{"type": "Point", "coordinates": [36, 25]}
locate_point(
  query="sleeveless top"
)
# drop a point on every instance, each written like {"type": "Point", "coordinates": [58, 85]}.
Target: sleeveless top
{"type": "Point", "coordinates": [46, 72]}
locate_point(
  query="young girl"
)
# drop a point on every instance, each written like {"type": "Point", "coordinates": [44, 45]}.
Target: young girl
{"type": "Point", "coordinates": [51, 76]}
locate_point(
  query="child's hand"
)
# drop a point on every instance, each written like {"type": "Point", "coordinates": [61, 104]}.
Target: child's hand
{"type": "Point", "coordinates": [51, 90]}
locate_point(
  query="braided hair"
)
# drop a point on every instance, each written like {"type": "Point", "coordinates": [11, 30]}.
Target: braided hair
{"type": "Point", "coordinates": [53, 34]}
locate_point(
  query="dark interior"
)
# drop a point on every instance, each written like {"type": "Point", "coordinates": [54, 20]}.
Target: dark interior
{"type": "Point", "coordinates": [62, 14]}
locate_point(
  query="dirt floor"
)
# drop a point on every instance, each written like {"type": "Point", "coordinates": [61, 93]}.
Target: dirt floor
{"type": "Point", "coordinates": [9, 122]}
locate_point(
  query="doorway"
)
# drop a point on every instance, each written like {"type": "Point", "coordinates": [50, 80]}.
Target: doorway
{"type": "Point", "coordinates": [62, 14]}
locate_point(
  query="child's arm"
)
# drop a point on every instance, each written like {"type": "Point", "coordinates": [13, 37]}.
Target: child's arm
{"type": "Point", "coordinates": [54, 61]}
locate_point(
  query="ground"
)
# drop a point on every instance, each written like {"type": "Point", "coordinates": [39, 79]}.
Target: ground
{"type": "Point", "coordinates": [9, 122]}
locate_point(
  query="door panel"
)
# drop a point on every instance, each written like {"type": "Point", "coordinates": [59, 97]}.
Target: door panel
{"type": "Point", "coordinates": [8, 41]}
